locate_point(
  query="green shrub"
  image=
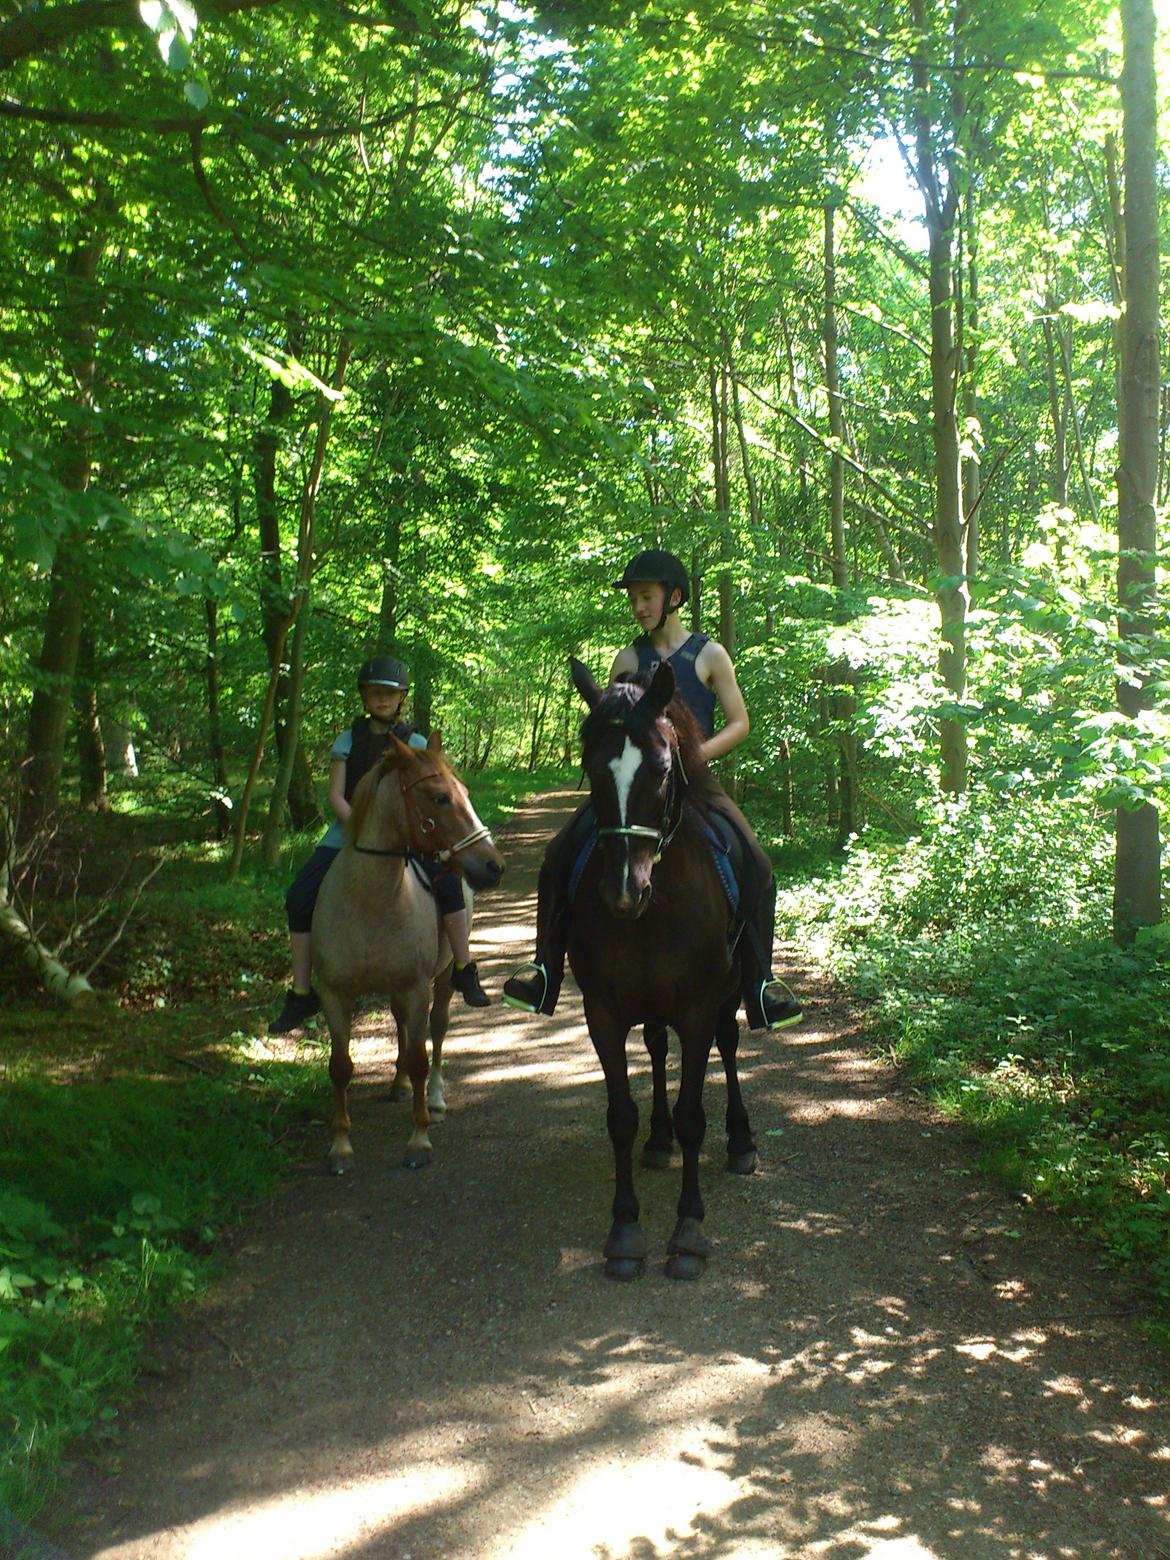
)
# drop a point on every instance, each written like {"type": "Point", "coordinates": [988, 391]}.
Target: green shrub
{"type": "Point", "coordinates": [984, 944]}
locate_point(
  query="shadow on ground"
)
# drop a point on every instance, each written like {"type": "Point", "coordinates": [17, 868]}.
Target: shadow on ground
{"type": "Point", "coordinates": [886, 1358]}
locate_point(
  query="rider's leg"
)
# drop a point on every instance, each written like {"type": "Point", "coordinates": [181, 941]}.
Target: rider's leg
{"type": "Point", "coordinates": [301, 1001]}
{"type": "Point", "coordinates": [448, 887]}
{"type": "Point", "coordinates": [767, 1001]}
{"type": "Point", "coordinates": [535, 987]}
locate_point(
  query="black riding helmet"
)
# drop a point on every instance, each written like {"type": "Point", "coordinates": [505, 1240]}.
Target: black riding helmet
{"type": "Point", "coordinates": [656, 566]}
{"type": "Point", "coordinates": [384, 671]}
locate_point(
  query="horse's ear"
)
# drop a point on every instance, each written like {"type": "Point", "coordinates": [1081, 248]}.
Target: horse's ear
{"type": "Point", "coordinates": [398, 748]}
{"type": "Point", "coordinates": [662, 687]}
{"type": "Point", "coordinates": [584, 682]}
{"type": "Point", "coordinates": [435, 742]}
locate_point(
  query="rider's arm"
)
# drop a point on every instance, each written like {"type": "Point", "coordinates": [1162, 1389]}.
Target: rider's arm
{"type": "Point", "coordinates": [715, 668]}
{"type": "Point", "coordinates": [625, 661]}
{"type": "Point", "coordinates": [337, 789]}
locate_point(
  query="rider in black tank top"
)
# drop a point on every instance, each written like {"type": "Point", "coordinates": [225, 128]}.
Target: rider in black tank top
{"type": "Point", "coordinates": [657, 584]}
{"type": "Point", "coordinates": [699, 698]}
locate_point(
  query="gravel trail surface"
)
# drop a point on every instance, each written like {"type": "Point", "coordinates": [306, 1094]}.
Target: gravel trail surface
{"type": "Point", "coordinates": [887, 1358]}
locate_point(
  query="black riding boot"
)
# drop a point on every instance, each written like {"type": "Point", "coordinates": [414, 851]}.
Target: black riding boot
{"type": "Point", "coordinates": [535, 987]}
{"type": "Point", "coordinates": [767, 1001]}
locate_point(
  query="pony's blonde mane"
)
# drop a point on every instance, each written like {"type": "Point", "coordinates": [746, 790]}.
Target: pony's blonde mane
{"type": "Point", "coordinates": [363, 796]}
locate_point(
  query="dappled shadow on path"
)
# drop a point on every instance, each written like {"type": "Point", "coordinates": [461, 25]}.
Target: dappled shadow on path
{"type": "Point", "coordinates": [886, 1358]}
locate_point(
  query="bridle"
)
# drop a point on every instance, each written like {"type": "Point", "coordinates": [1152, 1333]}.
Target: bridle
{"type": "Point", "coordinates": [677, 784]}
{"type": "Point", "coordinates": [416, 826]}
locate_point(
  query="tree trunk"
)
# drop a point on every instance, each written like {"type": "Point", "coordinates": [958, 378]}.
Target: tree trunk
{"type": "Point", "coordinates": [937, 177]}
{"type": "Point", "coordinates": [840, 563]}
{"type": "Point", "coordinates": [306, 560]}
{"type": "Point", "coordinates": [1136, 879]}
{"type": "Point", "coordinates": [843, 704]}
{"type": "Point", "coordinates": [388, 605]}
{"type": "Point", "coordinates": [784, 755]}
{"type": "Point", "coordinates": [722, 487]}
{"type": "Point", "coordinates": [302, 799]}
{"type": "Point", "coordinates": [219, 774]}
{"type": "Point", "coordinates": [52, 696]}
{"type": "Point", "coordinates": [971, 461]}
{"type": "Point", "coordinates": [91, 750]}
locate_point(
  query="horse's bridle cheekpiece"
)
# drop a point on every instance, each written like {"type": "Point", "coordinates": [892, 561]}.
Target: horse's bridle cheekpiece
{"type": "Point", "coordinates": [663, 835]}
{"type": "Point", "coordinates": [415, 826]}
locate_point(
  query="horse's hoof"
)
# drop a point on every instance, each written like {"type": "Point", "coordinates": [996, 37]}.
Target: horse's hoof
{"type": "Point", "coordinates": [656, 1158]}
{"type": "Point", "coordinates": [625, 1243]}
{"type": "Point", "coordinates": [399, 1091]}
{"type": "Point", "coordinates": [340, 1164]}
{"type": "Point", "coordinates": [688, 1240]}
{"type": "Point", "coordinates": [624, 1269]}
{"type": "Point", "coordinates": [417, 1158]}
{"type": "Point", "coordinates": [436, 1111]}
{"type": "Point", "coordinates": [685, 1265]}
{"type": "Point", "coordinates": [743, 1164]}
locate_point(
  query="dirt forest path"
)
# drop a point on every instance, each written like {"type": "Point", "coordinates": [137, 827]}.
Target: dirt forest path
{"type": "Point", "coordinates": [886, 1358]}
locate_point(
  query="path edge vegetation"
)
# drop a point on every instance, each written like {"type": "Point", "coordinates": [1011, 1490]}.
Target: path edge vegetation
{"type": "Point", "coordinates": [135, 1137]}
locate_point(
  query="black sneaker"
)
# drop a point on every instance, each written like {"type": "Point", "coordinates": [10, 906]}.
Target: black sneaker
{"type": "Point", "coordinates": [297, 1007]}
{"type": "Point", "coordinates": [466, 982]}
{"type": "Point", "coordinates": [781, 1009]}
{"type": "Point", "coordinates": [526, 991]}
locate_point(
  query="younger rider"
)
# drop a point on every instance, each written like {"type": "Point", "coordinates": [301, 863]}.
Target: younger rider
{"type": "Point", "coordinates": [656, 584]}
{"type": "Point", "coordinates": [383, 683]}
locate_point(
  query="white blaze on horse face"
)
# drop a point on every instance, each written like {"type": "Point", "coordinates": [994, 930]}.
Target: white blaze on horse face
{"type": "Point", "coordinates": [624, 768]}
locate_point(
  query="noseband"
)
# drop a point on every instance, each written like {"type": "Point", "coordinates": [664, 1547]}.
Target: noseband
{"type": "Point", "coordinates": [677, 784]}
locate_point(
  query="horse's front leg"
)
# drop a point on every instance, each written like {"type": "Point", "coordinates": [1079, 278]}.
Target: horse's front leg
{"type": "Point", "coordinates": [339, 1016]}
{"type": "Point", "coordinates": [625, 1246]}
{"type": "Point", "coordinates": [688, 1247]}
{"type": "Point", "coordinates": [440, 1020]}
{"type": "Point", "coordinates": [658, 1147]}
{"type": "Point", "coordinates": [412, 1028]}
{"type": "Point", "coordinates": [741, 1146]}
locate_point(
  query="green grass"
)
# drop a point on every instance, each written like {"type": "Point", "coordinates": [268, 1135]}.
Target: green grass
{"type": "Point", "coordinates": [114, 1194]}
{"type": "Point", "coordinates": [984, 947]}
{"type": "Point", "coordinates": [132, 1137]}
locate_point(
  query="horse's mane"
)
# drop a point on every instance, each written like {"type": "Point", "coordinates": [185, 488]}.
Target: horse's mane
{"type": "Point", "coordinates": [621, 696]}
{"type": "Point", "coordinates": [363, 795]}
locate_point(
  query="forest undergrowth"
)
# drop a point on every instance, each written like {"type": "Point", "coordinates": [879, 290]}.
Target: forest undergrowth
{"type": "Point", "coordinates": [137, 1133]}
{"type": "Point", "coordinates": [983, 950]}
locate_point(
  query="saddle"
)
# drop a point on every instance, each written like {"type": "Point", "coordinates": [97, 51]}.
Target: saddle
{"type": "Point", "coordinates": [723, 840]}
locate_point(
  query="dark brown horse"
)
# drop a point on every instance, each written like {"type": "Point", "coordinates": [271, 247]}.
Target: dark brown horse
{"type": "Point", "coordinates": [649, 944]}
{"type": "Point", "coordinates": [376, 927]}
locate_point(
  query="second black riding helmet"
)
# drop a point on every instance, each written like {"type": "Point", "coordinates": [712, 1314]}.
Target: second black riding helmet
{"type": "Point", "coordinates": [384, 671]}
{"type": "Point", "coordinates": [656, 566]}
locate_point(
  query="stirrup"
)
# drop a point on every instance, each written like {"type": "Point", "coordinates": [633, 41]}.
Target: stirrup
{"type": "Point", "coordinates": [512, 1000]}
{"type": "Point", "coordinates": [786, 1009]}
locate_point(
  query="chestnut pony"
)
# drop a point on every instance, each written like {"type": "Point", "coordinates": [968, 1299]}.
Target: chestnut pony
{"type": "Point", "coordinates": [649, 942]}
{"type": "Point", "coordinates": [376, 926]}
